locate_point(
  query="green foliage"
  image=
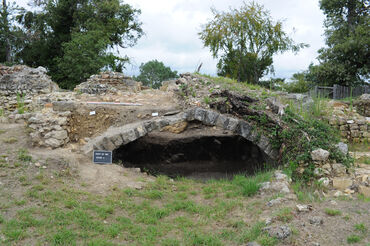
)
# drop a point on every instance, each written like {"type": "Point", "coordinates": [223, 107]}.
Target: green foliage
{"type": "Point", "coordinates": [20, 104]}
{"type": "Point", "coordinates": [285, 215]}
{"type": "Point", "coordinates": [273, 83]}
{"type": "Point", "coordinates": [332, 212]}
{"type": "Point", "coordinates": [245, 40]}
{"type": "Point", "coordinates": [75, 38]}
{"type": "Point", "coordinates": [298, 84]}
{"type": "Point", "coordinates": [361, 228]}
{"type": "Point", "coordinates": [153, 73]}
{"type": "Point", "coordinates": [345, 60]}
{"type": "Point", "coordinates": [249, 186]}
{"type": "Point", "coordinates": [10, 34]}
{"type": "Point", "coordinates": [303, 136]}
{"type": "Point", "coordinates": [353, 239]}
{"type": "Point", "coordinates": [23, 155]}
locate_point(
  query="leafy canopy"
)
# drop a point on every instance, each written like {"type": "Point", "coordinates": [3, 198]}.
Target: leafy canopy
{"type": "Point", "coordinates": [345, 60]}
{"type": "Point", "coordinates": [10, 34]}
{"type": "Point", "coordinates": [154, 72]}
{"type": "Point", "coordinates": [76, 38]}
{"type": "Point", "coordinates": [245, 40]}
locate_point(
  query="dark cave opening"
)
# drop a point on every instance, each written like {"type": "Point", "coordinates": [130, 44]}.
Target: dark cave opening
{"type": "Point", "coordinates": [195, 155]}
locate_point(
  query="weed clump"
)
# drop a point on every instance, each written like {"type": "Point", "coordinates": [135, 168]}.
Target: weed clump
{"type": "Point", "coordinates": [300, 137]}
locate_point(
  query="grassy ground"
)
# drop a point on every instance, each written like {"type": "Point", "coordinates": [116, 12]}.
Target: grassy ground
{"type": "Point", "coordinates": [44, 207]}
{"type": "Point", "coordinates": [51, 211]}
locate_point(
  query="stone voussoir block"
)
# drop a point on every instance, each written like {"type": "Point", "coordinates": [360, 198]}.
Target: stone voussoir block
{"type": "Point", "coordinates": [232, 124]}
{"type": "Point", "coordinates": [200, 114]}
{"type": "Point", "coordinates": [211, 118]}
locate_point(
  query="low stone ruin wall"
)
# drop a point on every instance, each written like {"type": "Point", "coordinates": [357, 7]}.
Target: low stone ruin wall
{"type": "Point", "coordinates": [49, 129]}
{"type": "Point", "coordinates": [362, 105]}
{"type": "Point", "coordinates": [18, 85]}
{"type": "Point", "coordinates": [352, 130]}
{"type": "Point", "coordinates": [108, 82]}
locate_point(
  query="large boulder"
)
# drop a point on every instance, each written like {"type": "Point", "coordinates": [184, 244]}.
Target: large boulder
{"type": "Point", "coordinates": [320, 155]}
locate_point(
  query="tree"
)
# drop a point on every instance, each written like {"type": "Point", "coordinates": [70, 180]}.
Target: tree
{"type": "Point", "coordinates": [345, 60]}
{"type": "Point", "coordinates": [245, 40]}
{"type": "Point", "coordinates": [9, 33]}
{"type": "Point", "coordinates": [153, 73]}
{"type": "Point", "coordinates": [76, 38]}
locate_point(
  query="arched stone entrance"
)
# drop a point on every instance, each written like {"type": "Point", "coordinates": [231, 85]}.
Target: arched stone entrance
{"type": "Point", "coordinates": [222, 139]}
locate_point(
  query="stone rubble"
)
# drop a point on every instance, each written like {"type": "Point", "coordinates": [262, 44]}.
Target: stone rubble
{"type": "Point", "coordinates": [108, 83]}
{"type": "Point", "coordinates": [280, 232]}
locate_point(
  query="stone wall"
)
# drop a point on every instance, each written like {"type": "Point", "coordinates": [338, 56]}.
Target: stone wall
{"type": "Point", "coordinates": [352, 130]}
{"type": "Point", "coordinates": [49, 129]}
{"type": "Point", "coordinates": [23, 82]}
{"type": "Point", "coordinates": [108, 82]}
{"type": "Point", "coordinates": [362, 105]}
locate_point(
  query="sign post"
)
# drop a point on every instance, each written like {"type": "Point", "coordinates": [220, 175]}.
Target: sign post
{"type": "Point", "coordinates": [102, 157]}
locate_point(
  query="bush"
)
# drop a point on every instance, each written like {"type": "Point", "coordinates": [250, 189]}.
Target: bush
{"type": "Point", "coordinates": [298, 84]}
{"type": "Point", "coordinates": [303, 136]}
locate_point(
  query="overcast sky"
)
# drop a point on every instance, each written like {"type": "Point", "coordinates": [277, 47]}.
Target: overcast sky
{"type": "Point", "coordinates": [171, 28]}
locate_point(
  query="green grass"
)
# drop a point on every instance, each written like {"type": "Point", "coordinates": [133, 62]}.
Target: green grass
{"type": "Point", "coordinates": [10, 140]}
{"type": "Point", "coordinates": [23, 155]}
{"type": "Point", "coordinates": [20, 104]}
{"type": "Point", "coordinates": [165, 212]}
{"type": "Point", "coordinates": [285, 215]}
{"type": "Point", "coordinates": [361, 228]}
{"type": "Point", "coordinates": [332, 212]}
{"type": "Point", "coordinates": [353, 239]}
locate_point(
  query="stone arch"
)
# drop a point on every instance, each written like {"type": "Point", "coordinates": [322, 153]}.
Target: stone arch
{"type": "Point", "coordinates": [115, 137]}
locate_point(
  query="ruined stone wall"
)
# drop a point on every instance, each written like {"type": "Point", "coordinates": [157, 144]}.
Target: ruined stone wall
{"type": "Point", "coordinates": [108, 82]}
{"type": "Point", "coordinates": [23, 82]}
{"type": "Point", "coordinates": [362, 105]}
{"type": "Point", "coordinates": [352, 130]}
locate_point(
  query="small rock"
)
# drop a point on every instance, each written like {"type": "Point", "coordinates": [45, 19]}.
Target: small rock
{"type": "Point", "coordinates": [315, 244]}
{"type": "Point", "coordinates": [268, 221]}
{"type": "Point", "coordinates": [304, 208]}
{"type": "Point", "coordinates": [282, 177]}
{"type": "Point", "coordinates": [338, 193]}
{"type": "Point", "coordinates": [342, 147]}
{"type": "Point", "coordinates": [37, 164]}
{"type": "Point", "coordinates": [316, 220]}
{"type": "Point", "coordinates": [332, 202]}
{"type": "Point", "coordinates": [349, 191]}
{"type": "Point", "coordinates": [324, 182]}
{"type": "Point", "coordinates": [44, 167]}
{"type": "Point", "coordinates": [280, 232]}
{"type": "Point", "coordinates": [274, 202]}
{"type": "Point", "coordinates": [320, 155]}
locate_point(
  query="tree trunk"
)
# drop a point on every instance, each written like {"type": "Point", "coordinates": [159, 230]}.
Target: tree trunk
{"type": "Point", "coordinates": [5, 14]}
{"type": "Point", "coordinates": [351, 15]}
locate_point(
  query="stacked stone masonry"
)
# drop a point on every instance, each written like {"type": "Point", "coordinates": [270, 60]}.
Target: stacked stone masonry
{"type": "Point", "coordinates": [19, 84]}
{"type": "Point", "coordinates": [108, 82]}
{"type": "Point", "coordinates": [49, 129]}
{"type": "Point", "coordinates": [357, 130]}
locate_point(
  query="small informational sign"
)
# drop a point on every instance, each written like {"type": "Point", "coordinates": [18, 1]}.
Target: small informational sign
{"type": "Point", "coordinates": [102, 157]}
